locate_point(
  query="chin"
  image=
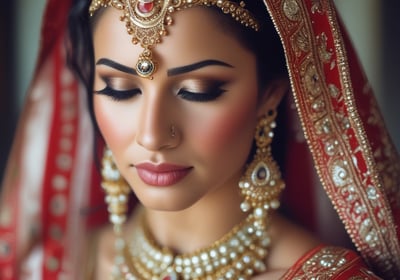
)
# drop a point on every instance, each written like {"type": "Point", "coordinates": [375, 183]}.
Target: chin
{"type": "Point", "coordinates": [167, 207]}
{"type": "Point", "coordinates": [166, 202]}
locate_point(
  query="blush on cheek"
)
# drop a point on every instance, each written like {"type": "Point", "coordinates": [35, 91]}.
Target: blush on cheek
{"type": "Point", "coordinates": [105, 126]}
{"type": "Point", "coordinates": [233, 129]}
{"type": "Point", "coordinates": [110, 122]}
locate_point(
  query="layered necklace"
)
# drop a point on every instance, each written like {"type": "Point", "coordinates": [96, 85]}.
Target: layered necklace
{"type": "Point", "coordinates": [240, 254]}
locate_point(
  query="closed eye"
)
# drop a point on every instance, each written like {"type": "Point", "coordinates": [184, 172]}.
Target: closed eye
{"type": "Point", "coordinates": [201, 96]}
{"type": "Point", "coordinates": [119, 89]}
{"type": "Point", "coordinates": [201, 90]}
{"type": "Point", "coordinates": [119, 95]}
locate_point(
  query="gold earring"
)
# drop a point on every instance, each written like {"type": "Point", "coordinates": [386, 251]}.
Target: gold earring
{"type": "Point", "coordinates": [117, 191]}
{"type": "Point", "coordinates": [261, 183]}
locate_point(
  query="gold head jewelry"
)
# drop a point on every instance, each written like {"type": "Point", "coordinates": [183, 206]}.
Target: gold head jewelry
{"type": "Point", "coordinates": [146, 21]}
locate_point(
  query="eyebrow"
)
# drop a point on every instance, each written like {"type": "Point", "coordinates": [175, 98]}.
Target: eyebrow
{"type": "Point", "coordinates": [116, 65]}
{"type": "Point", "coordinates": [170, 72]}
{"type": "Point", "coordinates": [195, 66]}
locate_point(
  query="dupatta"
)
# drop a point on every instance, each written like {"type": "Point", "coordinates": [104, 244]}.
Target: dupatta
{"type": "Point", "coordinates": [51, 195]}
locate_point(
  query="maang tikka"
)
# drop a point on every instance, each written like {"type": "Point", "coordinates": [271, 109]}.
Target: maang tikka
{"type": "Point", "coordinates": [261, 183]}
{"type": "Point", "coordinates": [146, 21]}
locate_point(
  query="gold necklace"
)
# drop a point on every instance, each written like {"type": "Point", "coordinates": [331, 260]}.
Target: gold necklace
{"type": "Point", "coordinates": [239, 254]}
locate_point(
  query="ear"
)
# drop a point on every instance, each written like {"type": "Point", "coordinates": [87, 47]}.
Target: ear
{"type": "Point", "coordinates": [272, 96]}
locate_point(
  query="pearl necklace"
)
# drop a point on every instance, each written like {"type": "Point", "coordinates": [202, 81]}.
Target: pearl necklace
{"type": "Point", "coordinates": [239, 254]}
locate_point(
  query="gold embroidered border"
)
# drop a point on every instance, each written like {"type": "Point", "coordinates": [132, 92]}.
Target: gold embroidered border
{"type": "Point", "coordinates": [330, 263]}
{"type": "Point", "coordinates": [327, 110]}
{"type": "Point", "coordinates": [384, 217]}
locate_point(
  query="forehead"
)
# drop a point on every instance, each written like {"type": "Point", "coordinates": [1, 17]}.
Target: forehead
{"type": "Point", "coordinates": [195, 34]}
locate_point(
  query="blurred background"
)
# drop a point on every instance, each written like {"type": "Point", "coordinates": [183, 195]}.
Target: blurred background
{"type": "Point", "coordinates": [374, 26]}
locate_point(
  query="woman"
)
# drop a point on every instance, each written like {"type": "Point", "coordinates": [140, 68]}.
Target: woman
{"type": "Point", "coordinates": [203, 172]}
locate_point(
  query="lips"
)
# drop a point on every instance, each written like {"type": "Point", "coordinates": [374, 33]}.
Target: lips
{"type": "Point", "coordinates": [162, 174]}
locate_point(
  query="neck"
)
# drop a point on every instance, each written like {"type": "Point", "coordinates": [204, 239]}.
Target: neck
{"type": "Point", "coordinates": [200, 225]}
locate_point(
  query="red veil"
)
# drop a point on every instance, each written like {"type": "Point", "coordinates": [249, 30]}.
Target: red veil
{"type": "Point", "coordinates": [51, 194]}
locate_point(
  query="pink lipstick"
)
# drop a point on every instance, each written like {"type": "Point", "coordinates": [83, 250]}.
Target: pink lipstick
{"type": "Point", "coordinates": [164, 174]}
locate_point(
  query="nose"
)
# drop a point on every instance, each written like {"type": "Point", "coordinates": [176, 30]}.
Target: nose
{"type": "Point", "coordinates": [156, 129]}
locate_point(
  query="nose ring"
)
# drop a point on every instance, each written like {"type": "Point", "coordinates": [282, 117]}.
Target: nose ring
{"type": "Point", "coordinates": [172, 131]}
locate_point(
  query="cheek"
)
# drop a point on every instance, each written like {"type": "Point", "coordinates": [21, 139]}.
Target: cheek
{"type": "Point", "coordinates": [113, 122]}
{"type": "Point", "coordinates": [229, 130]}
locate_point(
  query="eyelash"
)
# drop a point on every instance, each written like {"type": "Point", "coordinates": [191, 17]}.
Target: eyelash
{"type": "Point", "coordinates": [206, 96]}
{"type": "Point", "coordinates": [209, 95]}
{"type": "Point", "coordinates": [119, 95]}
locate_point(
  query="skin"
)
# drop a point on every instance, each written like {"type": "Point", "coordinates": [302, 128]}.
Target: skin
{"type": "Point", "coordinates": [188, 215]}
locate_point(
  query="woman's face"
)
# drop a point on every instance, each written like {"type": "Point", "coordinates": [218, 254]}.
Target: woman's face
{"type": "Point", "coordinates": [187, 133]}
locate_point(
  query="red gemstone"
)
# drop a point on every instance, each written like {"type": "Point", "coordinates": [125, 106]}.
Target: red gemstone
{"type": "Point", "coordinates": [169, 276]}
{"type": "Point", "coordinates": [146, 7]}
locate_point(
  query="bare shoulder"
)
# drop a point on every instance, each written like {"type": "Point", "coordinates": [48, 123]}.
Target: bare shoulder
{"type": "Point", "coordinates": [289, 243]}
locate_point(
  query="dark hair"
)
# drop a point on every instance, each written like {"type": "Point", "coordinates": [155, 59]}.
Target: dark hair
{"type": "Point", "coordinates": [80, 53]}
{"type": "Point", "coordinates": [264, 43]}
